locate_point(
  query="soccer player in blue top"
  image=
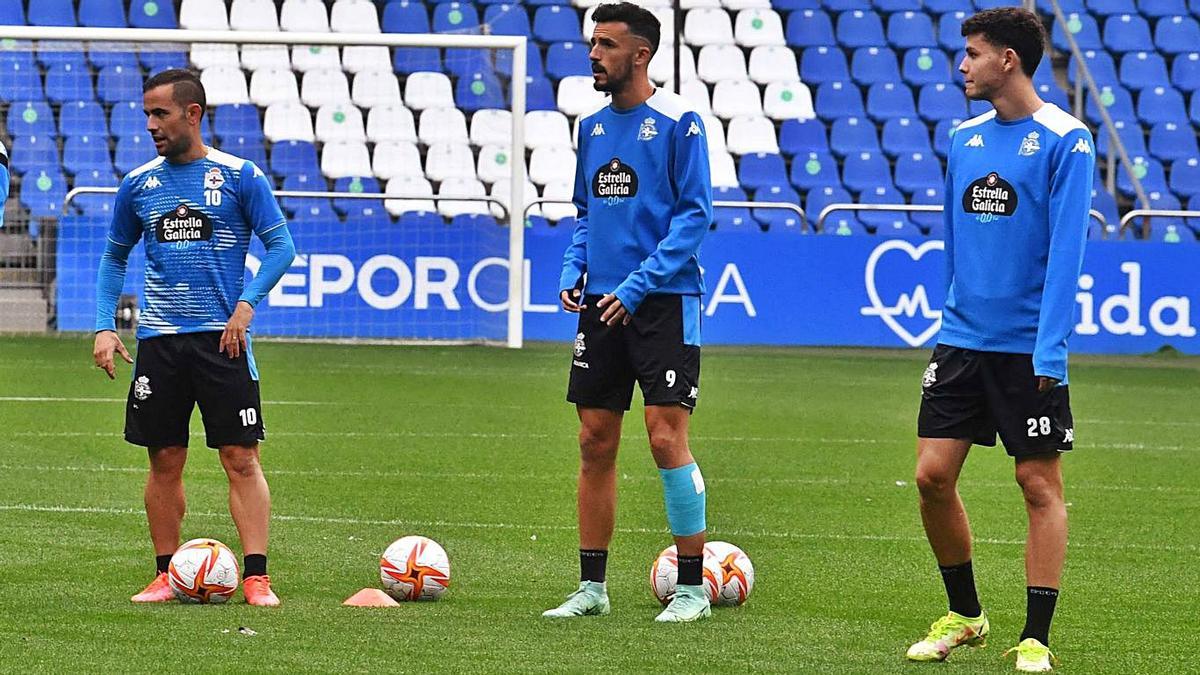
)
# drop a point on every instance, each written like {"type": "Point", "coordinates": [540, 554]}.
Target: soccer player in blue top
{"type": "Point", "coordinates": [1018, 187]}
{"type": "Point", "coordinates": [644, 200]}
{"type": "Point", "coordinates": [195, 208]}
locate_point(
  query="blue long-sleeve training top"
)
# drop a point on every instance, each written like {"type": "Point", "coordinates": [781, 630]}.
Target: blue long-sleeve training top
{"type": "Point", "coordinates": [644, 197]}
{"type": "Point", "coordinates": [196, 220]}
{"type": "Point", "coordinates": [1017, 200]}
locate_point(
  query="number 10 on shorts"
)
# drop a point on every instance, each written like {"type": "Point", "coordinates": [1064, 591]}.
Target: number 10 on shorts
{"type": "Point", "coordinates": [249, 416]}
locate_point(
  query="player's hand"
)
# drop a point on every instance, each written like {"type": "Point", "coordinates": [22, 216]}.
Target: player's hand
{"type": "Point", "coordinates": [572, 300]}
{"type": "Point", "coordinates": [614, 311]}
{"type": "Point", "coordinates": [233, 339]}
{"type": "Point", "coordinates": [1045, 384]}
{"type": "Point", "coordinates": [106, 343]}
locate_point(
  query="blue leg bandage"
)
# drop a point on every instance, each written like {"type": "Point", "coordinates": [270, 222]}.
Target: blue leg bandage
{"type": "Point", "coordinates": [683, 490]}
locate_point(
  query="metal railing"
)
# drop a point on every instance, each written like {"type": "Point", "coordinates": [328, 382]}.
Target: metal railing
{"type": "Point", "coordinates": [785, 206]}
{"type": "Point", "coordinates": [925, 208]}
{"type": "Point", "coordinates": [1147, 214]}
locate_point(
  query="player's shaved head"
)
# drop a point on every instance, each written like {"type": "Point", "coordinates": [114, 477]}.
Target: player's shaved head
{"type": "Point", "coordinates": [186, 87]}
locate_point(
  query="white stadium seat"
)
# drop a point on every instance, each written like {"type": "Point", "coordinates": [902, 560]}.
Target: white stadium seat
{"type": "Point", "coordinates": [551, 163]}
{"type": "Point", "coordinates": [409, 185]}
{"type": "Point", "coordinates": [733, 98]}
{"type": "Point", "coordinates": [788, 100]}
{"type": "Point", "coordinates": [345, 159]}
{"type": "Point", "coordinates": [559, 190]}
{"type": "Point", "coordinates": [315, 57]}
{"type": "Point", "coordinates": [306, 16]}
{"type": "Point", "coordinates": [449, 160]}
{"type": "Point", "coordinates": [662, 66]}
{"type": "Point", "coordinates": [354, 16]}
{"type": "Point", "coordinates": [697, 94]}
{"type": "Point", "coordinates": [577, 96]}
{"type": "Point", "coordinates": [721, 62]}
{"type": "Point", "coordinates": [340, 122]}
{"type": "Point", "coordinates": [261, 57]}
{"type": "Point", "coordinates": [224, 85]}
{"type": "Point", "coordinates": [707, 27]}
{"type": "Point", "coordinates": [492, 126]}
{"type": "Point", "coordinates": [495, 162]}
{"type": "Point", "coordinates": [771, 63]}
{"type": "Point", "coordinates": [442, 125]}
{"type": "Point", "coordinates": [324, 86]}
{"type": "Point", "coordinates": [203, 15]}
{"type": "Point", "coordinates": [289, 121]}
{"type": "Point", "coordinates": [394, 159]}
{"type": "Point", "coordinates": [361, 58]}
{"type": "Point", "coordinates": [268, 87]}
{"type": "Point", "coordinates": [714, 131]}
{"type": "Point", "coordinates": [736, 5]}
{"type": "Point", "coordinates": [253, 15]}
{"type": "Point", "coordinates": [752, 134]}
{"type": "Point", "coordinates": [206, 55]}
{"type": "Point", "coordinates": [724, 173]}
{"type": "Point", "coordinates": [391, 123]}
{"type": "Point", "coordinates": [375, 88]}
{"type": "Point", "coordinates": [695, 4]}
{"type": "Point", "coordinates": [462, 187]}
{"type": "Point", "coordinates": [756, 27]}
{"type": "Point", "coordinates": [502, 191]}
{"type": "Point", "coordinates": [546, 127]}
{"type": "Point", "coordinates": [428, 90]}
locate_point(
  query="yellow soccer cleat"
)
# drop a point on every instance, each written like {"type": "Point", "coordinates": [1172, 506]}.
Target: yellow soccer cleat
{"type": "Point", "coordinates": [948, 632]}
{"type": "Point", "coordinates": [1033, 656]}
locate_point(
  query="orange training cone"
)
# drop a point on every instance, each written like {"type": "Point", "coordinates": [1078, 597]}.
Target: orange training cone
{"type": "Point", "coordinates": [370, 597]}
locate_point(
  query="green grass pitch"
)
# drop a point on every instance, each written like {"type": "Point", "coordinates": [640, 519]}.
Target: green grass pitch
{"type": "Point", "coordinates": [808, 456]}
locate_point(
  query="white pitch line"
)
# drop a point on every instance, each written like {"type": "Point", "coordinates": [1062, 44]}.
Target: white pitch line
{"type": "Point", "coordinates": [83, 399]}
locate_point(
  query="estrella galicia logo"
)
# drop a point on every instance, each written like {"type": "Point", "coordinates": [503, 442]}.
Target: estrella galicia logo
{"type": "Point", "coordinates": [183, 224]}
{"type": "Point", "coordinates": [990, 196]}
{"type": "Point", "coordinates": [614, 181]}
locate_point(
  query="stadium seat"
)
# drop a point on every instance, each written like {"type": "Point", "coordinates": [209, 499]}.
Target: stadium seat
{"type": "Point", "coordinates": [507, 19]}
{"type": "Point", "coordinates": [463, 62]}
{"type": "Point", "coordinates": [839, 99]}
{"type": "Point", "coordinates": [550, 163]}
{"type": "Point", "coordinates": [340, 122]}
{"type": "Point", "coordinates": [846, 5]}
{"type": "Point", "coordinates": [1161, 104]}
{"type": "Point", "coordinates": [33, 118]}
{"type": "Point", "coordinates": [152, 14]}
{"type": "Point", "coordinates": [942, 134]}
{"type": "Point", "coordinates": [1106, 8]}
{"type": "Point", "coordinates": [1081, 26]}
{"type": "Point", "coordinates": [310, 206]}
{"type": "Point", "coordinates": [394, 159]}
{"type": "Point", "coordinates": [1130, 133]}
{"type": "Point", "coordinates": [367, 213]}
{"type": "Point", "coordinates": [539, 95]}
{"type": "Point", "coordinates": [1099, 64]}
{"type": "Point", "coordinates": [810, 28]}
{"type": "Point", "coordinates": [271, 86]}
{"type": "Point", "coordinates": [1148, 171]}
{"type": "Point", "coordinates": [442, 125]}
{"type": "Point", "coordinates": [729, 194]}
{"type": "Point", "coordinates": [819, 65]}
{"type": "Point", "coordinates": [778, 220]}
{"type": "Point", "coordinates": [758, 170]}
{"type": "Point", "coordinates": [735, 98]}
{"type": "Point", "coordinates": [734, 219]}
{"type": "Point", "coordinates": [51, 13]}
{"type": "Point", "coordinates": [880, 221]}
{"type": "Point", "coordinates": [455, 17]}
{"type": "Point", "coordinates": [155, 61]}
{"type": "Point", "coordinates": [899, 226]}
{"type": "Point", "coordinates": [871, 65]}
{"type": "Point", "coordinates": [564, 59]}
{"type": "Point", "coordinates": [542, 127]}
{"type": "Point", "coordinates": [722, 171]}
{"type": "Point", "coordinates": [102, 55]}
{"type": "Point", "coordinates": [290, 120]}
{"type": "Point", "coordinates": [1115, 99]}
{"type": "Point", "coordinates": [345, 158]}
{"type": "Point", "coordinates": [814, 169]}
{"type": "Point", "coordinates": [803, 136]}
{"type": "Point", "coordinates": [502, 190]}
{"type": "Point", "coordinates": [1144, 69]}
{"type": "Point", "coordinates": [787, 101]}
{"type": "Point", "coordinates": [102, 13]}
{"type": "Point", "coordinates": [1185, 72]}
{"type": "Point", "coordinates": [444, 161]}
{"type": "Point", "coordinates": [707, 26]}
{"type": "Point", "coordinates": [1172, 141]}
{"type": "Point", "coordinates": [353, 16]}
{"type": "Point", "coordinates": [94, 204]}
{"type": "Point", "coordinates": [358, 59]}
{"type": "Point", "coordinates": [1128, 33]}
{"type": "Point", "coordinates": [294, 157]}
{"type": "Point", "coordinates": [43, 193]}
{"type": "Point", "coordinates": [556, 23]}
{"type": "Point", "coordinates": [696, 94]}
{"type": "Point", "coordinates": [33, 152]}
{"type": "Point", "coordinates": [721, 62]}
{"type": "Point", "coordinates": [391, 123]}
{"type": "Point", "coordinates": [757, 27]}
{"type": "Point", "coordinates": [307, 16]}
{"type": "Point", "coordinates": [74, 119]}
{"type": "Point", "coordinates": [12, 13]}
{"type": "Point", "coordinates": [85, 153]}
{"type": "Point", "coordinates": [263, 57]}
{"type": "Point", "coordinates": [462, 187]}
{"type": "Point", "coordinates": [852, 135]}
{"type": "Point", "coordinates": [494, 127]}
{"type": "Point", "coordinates": [563, 190]}
{"type": "Point", "coordinates": [937, 102]}
{"type": "Point", "coordinates": [533, 61]}
{"type": "Point", "coordinates": [1176, 34]}
{"type": "Point", "coordinates": [1193, 204]}
{"type": "Point", "coordinates": [479, 91]}
{"type": "Point", "coordinates": [127, 119]}
{"type": "Point", "coordinates": [321, 87]}
{"type": "Point", "coordinates": [69, 82]}
{"type": "Point", "coordinates": [494, 163]}
{"type": "Point", "coordinates": [53, 53]}
{"type": "Point", "coordinates": [714, 133]}
{"type": "Point", "coordinates": [1185, 175]}
{"type": "Point", "coordinates": [253, 15]}
{"type": "Point", "coordinates": [890, 99]}
{"type": "Point", "coordinates": [918, 171]}
{"type": "Point", "coordinates": [224, 85]}
{"type": "Point", "coordinates": [202, 15]}
{"type": "Point", "coordinates": [246, 147]}
{"type": "Point", "coordinates": [925, 66]}
{"type": "Point", "coordinates": [893, 6]}
{"type": "Point", "coordinates": [375, 88]}
{"type": "Point", "coordinates": [405, 16]}
{"type": "Point", "coordinates": [930, 222]}
{"type": "Point", "coordinates": [817, 199]}
{"type": "Point", "coordinates": [860, 29]}
{"type": "Point", "coordinates": [211, 55]}
{"type": "Point", "coordinates": [132, 152]}
{"type": "Point", "coordinates": [408, 60]}
{"type": "Point", "coordinates": [1162, 8]}
{"type": "Point", "coordinates": [910, 30]}
{"type": "Point", "coordinates": [662, 65]}
{"type": "Point", "coordinates": [949, 26]}
{"type": "Point", "coordinates": [428, 90]}
{"type": "Point", "coordinates": [772, 63]}
{"type": "Point", "coordinates": [866, 170]}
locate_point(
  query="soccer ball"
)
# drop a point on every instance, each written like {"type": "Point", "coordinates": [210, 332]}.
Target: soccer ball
{"type": "Point", "coordinates": [204, 571]}
{"type": "Point", "coordinates": [737, 572]}
{"type": "Point", "coordinates": [415, 568]}
{"type": "Point", "coordinates": [664, 574]}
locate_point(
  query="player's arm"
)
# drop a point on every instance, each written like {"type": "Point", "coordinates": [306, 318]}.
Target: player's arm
{"type": "Point", "coordinates": [570, 282]}
{"type": "Point", "coordinates": [1070, 201]}
{"type": "Point", "coordinates": [690, 216]}
{"type": "Point", "coordinates": [123, 235]}
{"type": "Point", "coordinates": [262, 212]}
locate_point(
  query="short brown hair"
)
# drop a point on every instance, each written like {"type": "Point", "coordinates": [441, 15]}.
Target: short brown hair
{"type": "Point", "coordinates": [1011, 28]}
{"type": "Point", "coordinates": [641, 21]}
{"type": "Point", "coordinates": [187, 87]}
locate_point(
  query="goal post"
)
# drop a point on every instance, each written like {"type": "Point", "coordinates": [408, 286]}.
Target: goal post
{"type": "Point", "coordinates": [516, 280]}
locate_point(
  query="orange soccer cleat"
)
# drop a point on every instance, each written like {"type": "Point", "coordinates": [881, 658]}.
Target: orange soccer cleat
{"type": "Point", "coordinates": [257, 590]}
{"type": "Point", "coordinates": [159, 590]}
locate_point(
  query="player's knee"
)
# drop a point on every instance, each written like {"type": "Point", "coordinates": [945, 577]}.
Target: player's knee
{"type": "Point", "coordinates": [167, 463]}
{"type": "Point", "coordinates": [597, 444]}
{"type": "Point", "coordinates": [1040, 491]}
{"type": "Point", "coordinates": [240, 463]}
{"type": "Point", "coordinates": [934, 483]}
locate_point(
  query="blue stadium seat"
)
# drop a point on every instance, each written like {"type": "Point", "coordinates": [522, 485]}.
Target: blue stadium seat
{"type": "Point", "coordinates": [115, 83]}
{"type": "Point", "coordinates": [1115, 99]}
{"type": "Point", "coordinates": [908, 30]}
{"type": "Point", "coordinates": [303, 207]}
{"type": "Point", "coordinates": [1193, 204]}
{"type": "Point", "coordinates": [464, 62]}
{"type": "Point", "coordinates": [1082, 27]}
{"type": "Point", "coordinates": [294, 158]}
{"type": "Point", "coordinates": [1166, 229]}
{"type": "Point", "coordinates": [860, 29]}
{"type": "Point", "coordinates": [893, 6]}
{"type": "Point", "coordinates": [977, 108]}
{"type": "Point", "coordinates": [43, 193]}
{"type": "Point", "coordinates": [991, 4]}
{"type": "Point", "coordinates": [851, 135]}
{"type": "Point", "coordinates": [1130, 133]}
{"type": "Point", "coordinates": [102, 55]}
{"type": "Point", "coordinates": [1185, 176]}
{"type": "Point", "coordinates": [539, 94]}
{"type": "Point", "coordinates": [30, 118]}
{"type": "Point", "coordinates": [555, 23]}
{"type": "Point", "coordinates": [938, 102]}
{"type": "Point", "coordinates": [890, 99]}
{"type": "Point", "coordinates": [82, 118]}
{"type": "Point", "coordinates": [478, 91]}
{"type": "Point", "coordinates": [507, 19]}
{"type": "Point", "coordinates": [408, 60]}
{"type": "Point", "coordinates": [539, 3]}
{"type": "Point", "coordinates": [879, 220]}
{"type": "Point", "coordinates": [51, 13]}
{"type": "Point", "coordinates": [102, 13]}
{"type": "Point", "coordinates": [793, 5]}
{"type": "Point", "coordinates": [1111, 7]}
{"type": "Point", "coordinates": [567, 58]}
{"type": "Point", "coordinates": [778, 220]}
{"type": "Point", "coordinates": [904, 135]}
{"type": "Point", "coordinates": [1161, 104]}
{"type": "Point", "coordinates": [1144, 69]}
{"type": "Point", "coordinates": [152, 14]}
{"type": "Point", "coordinates": [846, 5]}
{"type": "Point", "coordinates": [317, 213]}
{"type": "Point", "coordinates": [930, 222]}
{"type": "Point", "coordinates": [128, 119]}
{"type": "Point", "coordinates": [417, 220]}
{"type": "Point", "coordinates": [728, 193]}
{"type": "Point", "coordinates": [839, 99]}
{"type": "Point", "coordinates": [85, 153]}
{"type": "Point", "coordinates": [1068, 6]}
{"type": "Point", "coordinates": [866, 171]}
{"type": "Point", "coordinates": [1177, 34]}
{"type": "Point", "coordinates": [941, 135]}
{"type": "Point", "coordinates": [802, 136]}
{"type": "Point", "coordinates": [1099, 63]}
{"type": "Point", "coordinates": [1148, 170]}
{"type": "Point", "coordinates": [21, 53]}
{"type": "Point", "coordinates": [365, 214]}
{"type": "Point", "coordinates": [1127, 33]}
{"type": "Point", "coordinates": [405, 16]}
{"type": "Point", "coordinates": [1171, 141]}
{"type": "Point", "coordinates": [1185, 72]}
{"type": "Point", "coordinates": [1050, 93]}
{"type": "Point", "coordinates": [758, 170]}
{"type": "Point", "coordinates": [843, 223]}
{"type": "Point", "coordinates": [871, 65]}
{"type": "Point", "coordinates": [925, 66]}
{"type": "Point", "coordinates": [33, 152]}
{"type": "Point", "coordinates": [533, 61]}
{"type": "Point", "coordinates": [156, 61]}
{"type": "Point", "coordinates": [823, 64]}
{"type": "Point", "coordinates": [810, 28]}
{"type": "Point", "coordinates": [356, 185]}
{"type": "Point", "coordinates": [133, 151]}
{"type": "Point", "coordinates": [455, 17]}
{"type": "Point", "coordinates": [20, 81]}
{"type": "Point", "coordinates": [246, 147]}
{"type": "Point", "coordinates": [12, 13]}
{"type": "Point", "coordinates": [950, 31]}
{"type": "Point", "coordinates": [1106, 204]}
{"type": "Point", "coordinates": [70, 82]}
{"type": "Point", "coordinates": [1160, 8]}
{"type": "Point", "coordinates": [734, 219]}
{"type": "Point", "coordinates": [818, 198]}
{"type": "Point", "coordinates": [814, 169]}
{"type": "Point", "coordinates": [918, 171]}
{"type": "Point", "coordinates": [94, 204]}
{"type": "Point", "coordinates": [237, 119]}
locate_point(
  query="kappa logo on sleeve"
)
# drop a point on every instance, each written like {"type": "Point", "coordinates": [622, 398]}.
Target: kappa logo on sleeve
{"type": "Point", "coordinates": [1083, 146]}
{"type": "Point", "coordinates": [693, 130]}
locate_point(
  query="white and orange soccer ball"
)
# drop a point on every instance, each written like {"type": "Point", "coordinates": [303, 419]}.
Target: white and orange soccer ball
{"type": "Point", "coordinates": [664, 574]}
{"type": "Point", "coordinates": [737, 572]}
{"type": "Point", "coordinates": [203, 571]}
{"type": "Point", "coordinates": [415, 568]}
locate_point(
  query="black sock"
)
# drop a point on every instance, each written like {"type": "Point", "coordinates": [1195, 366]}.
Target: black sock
{"type": "Point", "coordinates": [591, 564]}
{"type": "Point", "coordinates": [1039, 610]}
{"type": "Point", "coordinates": [161, 562]}
{"type": "Point", "coordinates": [690, 569]}
{"type": "Point", "coordinates": [255, 564]}
{"type": "Point", "coordinates": [960, 589]}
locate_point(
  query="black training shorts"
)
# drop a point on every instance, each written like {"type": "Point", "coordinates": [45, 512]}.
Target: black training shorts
{"type": "Point", "coordinates": [172, 374]}
{"type": "Point", "coordinates": [973, 395]}
{"type": "Point", "coordinates": [659, 349]}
